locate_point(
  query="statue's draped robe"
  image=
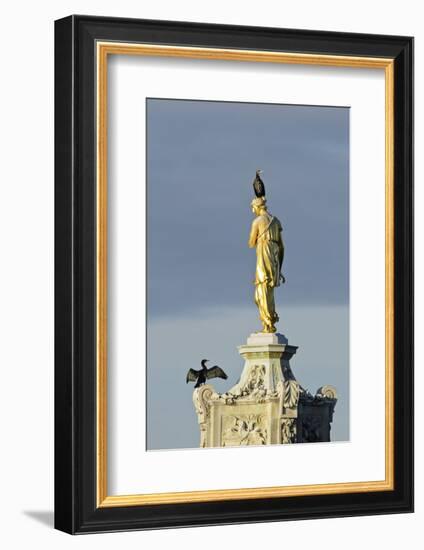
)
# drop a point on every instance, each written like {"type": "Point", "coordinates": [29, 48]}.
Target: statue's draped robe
{"type": "Point", "coordinates": [268, 265]}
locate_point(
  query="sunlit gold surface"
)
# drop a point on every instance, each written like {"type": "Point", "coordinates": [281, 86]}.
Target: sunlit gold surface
{"type": "Point", "coordinates": [115, 48]}
{"type": "Point", "coordinates": [265, 236]}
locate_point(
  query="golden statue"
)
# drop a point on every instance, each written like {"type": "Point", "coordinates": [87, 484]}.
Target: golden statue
{"type": "Point", "coordinates": [265, 235]}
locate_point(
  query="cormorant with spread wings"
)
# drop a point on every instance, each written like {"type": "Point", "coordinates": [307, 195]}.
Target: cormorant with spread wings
{"type": "Point", "coordinates": [200, 376]}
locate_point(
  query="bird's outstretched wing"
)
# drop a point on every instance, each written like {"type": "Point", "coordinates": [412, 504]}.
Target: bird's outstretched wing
{"type": "Point", "coordinates": [192, 375]}
{"type": "Point", "coordinates": [216, 372]}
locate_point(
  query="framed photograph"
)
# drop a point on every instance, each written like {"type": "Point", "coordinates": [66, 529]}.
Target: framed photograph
{"type": "Point", "coordinates": [234, 274]}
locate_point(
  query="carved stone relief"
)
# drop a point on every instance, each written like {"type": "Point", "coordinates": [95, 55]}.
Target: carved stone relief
{"type": "Point", "coordinates": [247, 429]}
{"type": "Point", "coordinates": [256, 379]}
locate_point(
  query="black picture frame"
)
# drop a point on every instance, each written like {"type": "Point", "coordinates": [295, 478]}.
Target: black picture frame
{"type": "Point", "coordinates": [76, 509]}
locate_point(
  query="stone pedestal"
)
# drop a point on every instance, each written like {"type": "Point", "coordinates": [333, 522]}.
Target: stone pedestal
{"type": "Point", "coordinates": [265, 406]}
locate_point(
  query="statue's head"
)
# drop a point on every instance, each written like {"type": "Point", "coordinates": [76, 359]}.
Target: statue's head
{"type": "Point", "coordinates": [258, 204]}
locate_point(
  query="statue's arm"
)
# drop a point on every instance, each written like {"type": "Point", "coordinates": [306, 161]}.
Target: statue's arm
{"type": "Point", "coordinates": [281, 250]}
{"type": "Point", "coordinates": [253, 235]}
{"type": "Point", "coordinates": [280, 247]}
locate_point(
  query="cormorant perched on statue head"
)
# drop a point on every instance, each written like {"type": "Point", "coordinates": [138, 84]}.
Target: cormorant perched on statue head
{"type": "Point", "coordinates": [258, 185]}
{"type": "Point", "coordinates": [204, 374]}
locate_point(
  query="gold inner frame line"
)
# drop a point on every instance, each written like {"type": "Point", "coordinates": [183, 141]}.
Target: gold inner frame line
{"type": "Point", "coordinates": [103, 50]}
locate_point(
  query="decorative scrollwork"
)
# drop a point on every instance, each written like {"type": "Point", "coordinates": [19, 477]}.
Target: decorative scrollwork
{"type": "Point", "coordinates": [291, 394]}
{"type": "Point", "coordinates": [288, 430]}
{"type": "Point", "coordinates": [328, 391]}
{"type": "Point", "coordinates": [201, 399]}
{"type": "Point", "coordinates": [202, 402]}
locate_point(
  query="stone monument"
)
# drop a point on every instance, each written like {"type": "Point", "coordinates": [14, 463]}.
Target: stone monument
{"type": "Point", "coordinates": [267, 405]}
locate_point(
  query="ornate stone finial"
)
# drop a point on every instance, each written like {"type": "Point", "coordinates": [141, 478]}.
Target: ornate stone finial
{"type": "Point", "coordinates": [328, 391]}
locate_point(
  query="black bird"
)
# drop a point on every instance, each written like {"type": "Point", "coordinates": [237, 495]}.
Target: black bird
{"type": "Point", "coordinates": [205, 374]}
{"type": "Point", "coordinates": [258, 185]}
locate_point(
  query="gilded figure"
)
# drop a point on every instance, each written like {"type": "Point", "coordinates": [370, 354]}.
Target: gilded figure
{"type": "Point", "coordinates": [265, 235]}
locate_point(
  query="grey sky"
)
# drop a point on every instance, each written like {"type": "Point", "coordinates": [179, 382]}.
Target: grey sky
{"type": "Point", "coordinates": [202, 158]}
